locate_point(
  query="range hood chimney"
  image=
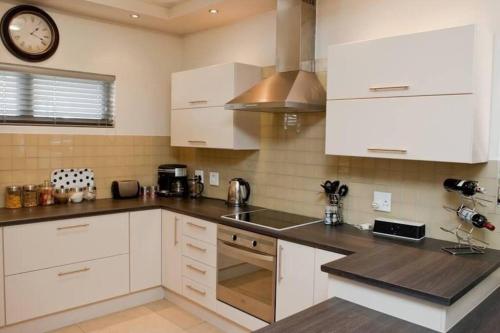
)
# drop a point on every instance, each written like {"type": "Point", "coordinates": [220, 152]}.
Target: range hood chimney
{"type": "Point", "coordinates": [295, 87]}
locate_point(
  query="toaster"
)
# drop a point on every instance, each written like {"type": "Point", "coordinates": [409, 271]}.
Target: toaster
{"type": "Point", "coordinates": [125, 189]}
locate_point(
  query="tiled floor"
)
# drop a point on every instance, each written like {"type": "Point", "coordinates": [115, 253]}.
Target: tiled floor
{"type": "Point", "coordinates": [157, 317]}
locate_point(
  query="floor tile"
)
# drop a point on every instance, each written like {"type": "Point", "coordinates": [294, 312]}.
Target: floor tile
{"type": "Point", "coordinates": [114, 318]}
{"type": "Point", "coordinates": [159, 305]}
{"type": "Point", "coordinates": [150, 323]}
{"type": "Point", "coordinates": [69, 329]}
{"type": "Point", "coordinates": [180, 317]}
{"type": "Point", "coordinates": [204, 328]}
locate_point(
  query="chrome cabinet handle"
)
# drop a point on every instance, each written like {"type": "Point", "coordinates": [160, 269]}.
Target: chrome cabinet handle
{"type": "Point", "coordinates": [198, 101]}
{"type": "Point", "coordinates": [74, 272]}
{"type": "Point", "coordinates": [73, 226]}
{"type": "Point", "coordinates": [196, 290]}
{"type": "Point", "coordinates": [387, 150]}
{"type": "Point", "coordinates": [197, 141]}
{"type": "Point", "coordinates": [175, 230]}
{"type": "Point", "coordinates": [389, 88]}
{"type": "Point", "coordinates": [196, 269]}
{"type": "Point", "coordinates": [197, 226]}
{"type": "Point", "coordinates": [196, 247]}
{"type": "Point", "coordinates": [280, 268]}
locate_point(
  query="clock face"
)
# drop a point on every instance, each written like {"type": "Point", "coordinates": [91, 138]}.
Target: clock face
{"type": "Point", "coordinates": [30, 33]}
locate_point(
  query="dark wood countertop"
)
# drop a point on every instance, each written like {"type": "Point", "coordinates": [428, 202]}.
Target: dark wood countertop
{"type": "Point", "coordinates": [337, 315]}
{"type": "Point", "coordinates": [417, 269]}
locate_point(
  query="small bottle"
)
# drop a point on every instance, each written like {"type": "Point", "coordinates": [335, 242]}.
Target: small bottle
{"type": "Point", "coordinates": [466, 187]}
{"type": "Point", "coordinates": [476, 219]}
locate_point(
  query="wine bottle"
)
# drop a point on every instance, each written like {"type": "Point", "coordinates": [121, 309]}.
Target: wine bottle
{"type": "Point", "coordinates": [466, 187]}
{"type": "Point", "coordinates": [473, 217]}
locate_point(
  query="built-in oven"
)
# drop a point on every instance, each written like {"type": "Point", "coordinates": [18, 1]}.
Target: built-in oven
{"type": "Point", "coordinates": [246, 271]}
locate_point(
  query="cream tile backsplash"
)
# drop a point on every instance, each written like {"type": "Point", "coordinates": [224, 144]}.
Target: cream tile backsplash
{"type": "Point", "coordinates": [30, 158]}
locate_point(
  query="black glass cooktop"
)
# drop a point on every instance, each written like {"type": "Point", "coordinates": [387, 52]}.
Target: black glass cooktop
{"type": "Point", "coordinates": [272, 219]}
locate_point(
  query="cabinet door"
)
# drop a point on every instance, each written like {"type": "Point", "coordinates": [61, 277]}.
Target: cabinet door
{"type": "Point", "coordinates": [295, 279]}
{"type": "Point", "coordinates": [145, 249]}
{"type": "Point", "coordinates": [320, 278]}
{"type": "Point", "coordinates": [429, 63]}
{"type": "Point", "coordinates": [210, 127]}
{"type": "Point", "coordinates": [172, 251]}
{"type": "Point", "coordinates": [432, 128]}
{"type": "Point", "coordinates": [203, 87]}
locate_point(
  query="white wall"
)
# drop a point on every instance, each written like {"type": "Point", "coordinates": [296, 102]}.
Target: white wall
{"type": "Point", "coordinates": [141, 60]}
{"type": "Point", "coordinates": [251, 41]}
{"type": "Point", "coordinates": [340, 21]}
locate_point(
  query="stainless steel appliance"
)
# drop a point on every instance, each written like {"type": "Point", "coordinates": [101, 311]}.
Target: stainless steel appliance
{"type": "Point", "coordinates": [195, 187]}
{"type": "Point", "coordinates": [246, 271]}
{"type": "Point", "coordinates": [295, 87]}
{"type": "Point", "coordinates": [172, 180]}
{"type": "Point", "coordinates": [238, 192]}
{"type": "Point", "coordinates": [125, 189]}
{"type": "Point", "coordinates": [272, 219]}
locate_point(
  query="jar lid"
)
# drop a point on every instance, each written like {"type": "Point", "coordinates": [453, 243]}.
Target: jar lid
{"type": "Point", "coordinates": [30, 187]}
{"type": "Point", "coordinates": [13, 188]}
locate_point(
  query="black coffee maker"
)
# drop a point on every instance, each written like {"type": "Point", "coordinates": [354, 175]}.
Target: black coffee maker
{"type": "Point", "coordinates": [172, 180]}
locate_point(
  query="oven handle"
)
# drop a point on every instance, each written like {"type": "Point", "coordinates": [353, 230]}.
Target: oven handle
{"type": "Point", "coordinates": [262, 260]}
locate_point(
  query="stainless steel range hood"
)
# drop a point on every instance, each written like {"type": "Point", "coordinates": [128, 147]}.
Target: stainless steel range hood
{"type": "Point", "coordinates": [295, 87]}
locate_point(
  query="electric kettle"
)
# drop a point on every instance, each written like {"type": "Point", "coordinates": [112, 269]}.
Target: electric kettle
{"type": "Point", "coordinates": [238, 192]}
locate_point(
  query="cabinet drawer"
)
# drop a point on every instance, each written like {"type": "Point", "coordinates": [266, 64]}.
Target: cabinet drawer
{"type": "Point", "coordinates": [198, 272]}
{"type": "Point", "coordinates": [211, 127]}
{"type": "Point", "coordinates": [199, 229]}
{"type": "Point", "coordinates": [199, 251]}
{"type": "Point", "coordinates": [35, 246]}
{"type": "Point", "coordinates": [199, 293]}
{"type": "Point", "coordinates": [432, 128]}
{"type": "Point", "coordinates": [429, 63]}
{"type": "Point", "coordinates": [203, 87]}
{"type": "Point", "coordinates": [42, 292]}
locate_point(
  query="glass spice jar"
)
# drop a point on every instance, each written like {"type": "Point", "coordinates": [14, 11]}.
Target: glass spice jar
{"type": "Point", "coordinates": [46, 194]}
{"type": "Point", "coordinates": [13, 197]}
{"type": "Point", "coordinates": [30, 195]}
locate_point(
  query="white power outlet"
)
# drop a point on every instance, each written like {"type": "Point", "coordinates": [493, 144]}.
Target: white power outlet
{"type": "Point", "coordinates": [382, 201]}
{"type": "Point", "coordinates": [200, 173]}
{"type": "Point", "coordinates": [214, 178]}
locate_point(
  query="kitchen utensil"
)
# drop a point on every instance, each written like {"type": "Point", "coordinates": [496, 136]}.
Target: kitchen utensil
{"type": "Point", "coordinates": [195, 186]}
{"type": "Point", "coordinates": [90, 193]}
{"type": "Point", "coordinates": [335, 186]}
{"type": "Point", "coordinates": [124, 189]}
{"type": "Point", "coordinates": [76, 195]}
{"type": "Point", "coordinates": [327, 186]}
{"type": "Point", "coordinates": [61, 195]}
{"type": "Point", "coordinates": [238, 192]}
{"type": "Point", "coordinates": [343, 190]}
{"type": "Point", "coordinates": [72, 178]}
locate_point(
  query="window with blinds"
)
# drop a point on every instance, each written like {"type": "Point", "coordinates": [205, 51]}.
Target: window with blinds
{"type": "Point", "coordinates": [40, 96]}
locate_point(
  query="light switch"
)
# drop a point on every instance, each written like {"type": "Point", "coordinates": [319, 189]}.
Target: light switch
{"type": "Point", "coordinates": [200, 173]}
{"type": "Point", "coordinates": [382, 201]}
{"type": "Point", "coordinates": [214, 178]}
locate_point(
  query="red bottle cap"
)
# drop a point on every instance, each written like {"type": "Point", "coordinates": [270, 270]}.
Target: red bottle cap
{"type": "Point", "coordinates": [489, 226]}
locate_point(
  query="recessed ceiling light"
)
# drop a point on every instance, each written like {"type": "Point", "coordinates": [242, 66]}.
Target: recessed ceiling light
{"type": "Point", "coordinates": [213, 11]}
{"type": "Point", "coordinates": [135, 16]}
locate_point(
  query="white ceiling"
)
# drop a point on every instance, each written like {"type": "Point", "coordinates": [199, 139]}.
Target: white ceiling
{"type": "Point", "coordinates": [178, 17]}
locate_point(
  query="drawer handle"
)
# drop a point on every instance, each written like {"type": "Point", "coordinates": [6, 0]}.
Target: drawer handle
{"type": "Point", "coordinates": [176, 219]}
{"type": "Point", "coordinates": [86, 269]}
{"type": "Point", "coordinates": [196, 290]}
{"type": "Point", "coordinates": [389, 88]}
{"type": "Point", "coordinates": [201, 101]}
{"type": "Point", "coordinates": [196, 269]}
{"type": "Point", "coordinates": [196, 247]}
{"type": "Point", "coordinates": [387, 150]}
{"type": "Point", "coordinates": [197, 226]}
{"type": "Point", "coordinates": [280, 268]}
{"type": "Point", "coordinates": [197, 141]}
{"type": "Point", "coordinates": [73, 226]}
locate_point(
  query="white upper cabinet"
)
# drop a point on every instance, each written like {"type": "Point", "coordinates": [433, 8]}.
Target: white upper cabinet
{"type": "Point", "coordinates": [198, 117]}
{"type": "Point", "coordinates": [424, 96]}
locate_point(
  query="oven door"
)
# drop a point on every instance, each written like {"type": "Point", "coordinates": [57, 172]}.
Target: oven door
{"type": "Point", "coordinates": [246, 280]}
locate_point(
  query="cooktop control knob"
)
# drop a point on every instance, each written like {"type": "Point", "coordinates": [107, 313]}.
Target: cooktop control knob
{"type": "Point", "coordinates": [235, 238]}
{"type": "Point", "coordinates": [254, 243]}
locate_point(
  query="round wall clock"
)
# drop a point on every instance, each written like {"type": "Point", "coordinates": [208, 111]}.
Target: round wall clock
{"type": "Point", "coordinates": [29, 33]}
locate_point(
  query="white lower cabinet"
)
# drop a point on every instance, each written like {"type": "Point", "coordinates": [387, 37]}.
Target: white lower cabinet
{"type": "Point", "coordinates": [145, 249]}
{"type": "Point", "coordinates": [295, 279]}
{"type": "Point", "coordinates": [321, 278]}
{"type": "Point", "coordinates": [199, 293]}
{"type": "Point", "coordinates": [172, 251]}
{"type": "Point", "coordinates": [2, 298]}
{"type": "Point", "coordinates": [46, 291]}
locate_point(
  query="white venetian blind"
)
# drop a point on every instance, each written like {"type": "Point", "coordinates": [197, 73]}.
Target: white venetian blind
{"type": "Point", "coordinates": [40, 96]}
